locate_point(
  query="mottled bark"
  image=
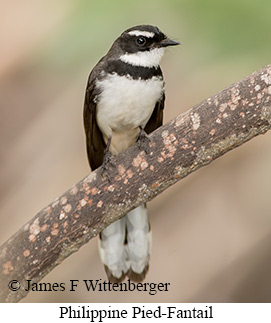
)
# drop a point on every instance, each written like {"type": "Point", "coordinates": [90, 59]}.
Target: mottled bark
{"type": "Point", "coordinates": [193, 139]}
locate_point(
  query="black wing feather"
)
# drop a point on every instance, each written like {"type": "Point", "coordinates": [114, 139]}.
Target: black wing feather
{"type": "Point", "coordinates": [156, 119]}
{"type": "Point", "coordinates": [94, 138]}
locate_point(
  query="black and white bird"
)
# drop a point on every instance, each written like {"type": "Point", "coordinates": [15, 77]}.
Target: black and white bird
{"type": "Point", "coordinates": [124, 102]}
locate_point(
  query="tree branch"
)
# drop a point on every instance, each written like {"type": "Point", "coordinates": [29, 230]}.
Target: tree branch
{"type": "Point", "coordinates": [190, 141]}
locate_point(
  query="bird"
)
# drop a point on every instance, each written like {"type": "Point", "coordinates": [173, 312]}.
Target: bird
{"type": "Point", "coordinates": [124, 102]}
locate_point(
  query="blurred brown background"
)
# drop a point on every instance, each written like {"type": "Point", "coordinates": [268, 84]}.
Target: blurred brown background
{"type": "Point", "coordinates": [211, 231]}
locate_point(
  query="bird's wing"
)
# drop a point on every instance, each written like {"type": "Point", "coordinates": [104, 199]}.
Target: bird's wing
{"type": "Point", "coordinates": [156, 119]}
{"type": "Point", "coordinates": [94, 138]}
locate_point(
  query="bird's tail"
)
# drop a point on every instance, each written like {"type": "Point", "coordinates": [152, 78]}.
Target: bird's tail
{"type": "Point", "coordinates": [124, 246]}
{"type": "Point", "coordinates": [138, 243]}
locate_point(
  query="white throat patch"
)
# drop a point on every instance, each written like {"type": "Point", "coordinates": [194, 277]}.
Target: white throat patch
{"type": "Point", "coordinates": [149, 58]}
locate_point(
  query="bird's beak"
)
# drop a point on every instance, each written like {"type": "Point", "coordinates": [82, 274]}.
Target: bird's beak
{"type": "Point", "coordinates": [168, 42]}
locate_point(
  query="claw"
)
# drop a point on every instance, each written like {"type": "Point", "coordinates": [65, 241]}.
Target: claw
{"type": "Point", "coordinates": [143, 141]}
{"type": "Point", "coordinates": [107, 160]}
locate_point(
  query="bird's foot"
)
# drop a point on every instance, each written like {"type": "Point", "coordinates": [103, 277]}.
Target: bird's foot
{"type": "Point", "coordinates": [107, 161]}
{"type": "Point", "coordinates": [143, 141]}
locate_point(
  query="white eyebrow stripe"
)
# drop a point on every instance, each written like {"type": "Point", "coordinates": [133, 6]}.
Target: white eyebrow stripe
{"type": "Point", "coordinates": [147, 34]}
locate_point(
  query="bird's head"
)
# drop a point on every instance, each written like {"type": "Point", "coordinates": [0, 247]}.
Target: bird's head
{"type": "Point", "coordinates": [142, 45]}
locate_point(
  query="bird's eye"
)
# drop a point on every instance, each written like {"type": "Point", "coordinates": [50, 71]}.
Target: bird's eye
{"type": "Point", "coordinates": [141, 41]}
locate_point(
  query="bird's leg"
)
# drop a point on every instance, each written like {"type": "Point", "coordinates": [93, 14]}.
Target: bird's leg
{"type": "Point", "coordinates": [143, 141]}
{"type": "Point", "coordinates": [107, 160]}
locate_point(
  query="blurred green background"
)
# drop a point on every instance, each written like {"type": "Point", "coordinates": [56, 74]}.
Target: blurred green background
{"type": "Point", "coordinates": [212, 230]}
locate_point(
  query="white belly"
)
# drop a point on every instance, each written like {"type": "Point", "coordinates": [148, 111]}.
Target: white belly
{"type": "Point", "coordinates": [124, 105]}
